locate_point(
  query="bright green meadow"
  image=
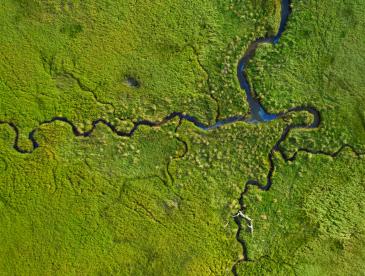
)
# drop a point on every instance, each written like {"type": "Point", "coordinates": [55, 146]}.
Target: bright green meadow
{"type": "Point", "coordinates": [162, 201]}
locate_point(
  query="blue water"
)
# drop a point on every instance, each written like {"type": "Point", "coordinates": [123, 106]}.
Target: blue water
{"type": "Point", "coordinates": [258, 113]}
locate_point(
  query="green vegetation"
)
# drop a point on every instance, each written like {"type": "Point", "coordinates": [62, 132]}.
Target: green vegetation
{"type": "Point", "coordinates": [319, 62]}
{"type": "Point", "coordinates": [109, 205]}
{"type": "Point", "coordinates": [161, 202]}
{"type": "Point", "coordinates": [312, 221]}
{"type": "Point", "coordinates": [71, 58]}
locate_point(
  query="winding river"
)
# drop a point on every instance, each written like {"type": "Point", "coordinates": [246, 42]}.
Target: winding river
{"type": "Point", "coordinates": [257, 111]}
{"type": "Point", "coordinates": [257, 114]}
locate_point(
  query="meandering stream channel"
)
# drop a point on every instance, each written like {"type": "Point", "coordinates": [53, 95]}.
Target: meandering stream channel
{"type": "Point", "coordinates": [257, 111]}
{"type": "Point", "coordinates": [257, 114]}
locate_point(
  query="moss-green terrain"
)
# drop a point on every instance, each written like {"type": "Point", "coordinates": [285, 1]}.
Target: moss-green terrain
{"type": "Point", "coordinates": [311, 222]}
{"type": "Point", "coordinates": [164, 199]}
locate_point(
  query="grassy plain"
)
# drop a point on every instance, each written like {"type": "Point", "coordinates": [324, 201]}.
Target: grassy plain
{"type": "Point", "coordinates": [320, 62]}
{"type": "Point", "coordinates": [128, 206]}
{"type": "Point", "coordinates": [111, 205]}
{"type": "Point", "coordinates": [161, 202]}
{"type": "Point", "coordinates": [312, 221]}
{"type": "Point", "coordinates": [71, 58]}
